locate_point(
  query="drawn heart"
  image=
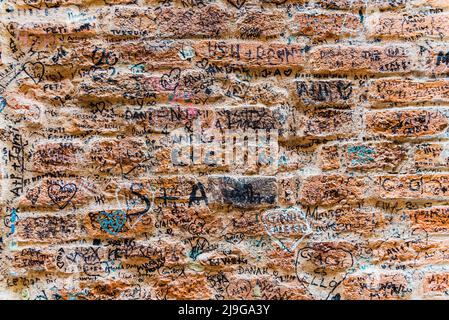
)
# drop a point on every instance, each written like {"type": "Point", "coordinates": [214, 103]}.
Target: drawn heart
{"type": "Point", "coordinates": [34, 70]}
{"type": "Point", "coordinates": [344, 90]}
{"type": "Point", "coordinates": [288, 72]}
{"type": "Point", "coordinates": [234, 238]}
{"type": "Point", "coordinates": [322, 268]}
{"type": "Point", "coordinates": [287, 226]}
{"type": "Point", "coordinates": [112, 222]}
{"type": "Point", "coordinates": [237, 3]}
{"type": "Point", "coordinates": [171, 81]}
{"type": "Point", "coordinates": [61, 195]}
{"type": "Point", "coordinates": [33, 113]}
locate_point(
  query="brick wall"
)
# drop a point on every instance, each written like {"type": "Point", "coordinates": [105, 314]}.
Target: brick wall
{"type": "Point", "coordinates": [224, 149]}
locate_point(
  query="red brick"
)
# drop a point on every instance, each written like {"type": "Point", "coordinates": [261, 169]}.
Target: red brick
{"type": "Point", "coordinates": [408, 91]}
{"type": "Point", "coordinates": [326, 25]}
{"type": "Point", "coordinates": [325, 93]}
{"type": "Point", "coordinates": [329, 158]}
{"type": "Point", "coordinates": [433, 220]}
{"type": "Point", "coordinates": [409, 25]}
{"type": "Point", "coordinates": [406, 123]}
{"type": "Point", "coordinates": [205, 22]}
{"type": "Point", "coordinates": [261, 24]}
{"type": "Point", "coordinates": [369, 59]}
{"type": "Point", "coordinates": [332, 189]}
{"type": "Point", "coordinates": [377, 287]}
{"type": "Point", "coordinates": [436, 284]}
{"type": "Point", "coordinates": [356, 5]}
{"type": "Point", "coordinates": [251, 54]}
{"type": "Point", "coordinates": [374, 156]}
{"type": "Point", "coordinates": [58, 157]}
{"type": "Point", "coordinates": [425, 186]}
{"type": "Point", "coordinates": [330, 124]}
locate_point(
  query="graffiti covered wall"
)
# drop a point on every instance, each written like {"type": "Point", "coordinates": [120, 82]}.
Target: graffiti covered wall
{"type": "Point", "coordinates": [224, 149]}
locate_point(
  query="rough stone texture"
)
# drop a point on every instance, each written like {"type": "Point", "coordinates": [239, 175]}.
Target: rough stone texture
{"type": "Point", "coordinates": [224, 149]}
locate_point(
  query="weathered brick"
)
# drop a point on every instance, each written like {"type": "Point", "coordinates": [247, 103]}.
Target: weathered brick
{"type": "Point", "coordinates": [162, 119]}
{"type": "Point", "coordinates": [58, 157]}
{"type": "Point", "coordinates": [359, 4]}
{"type": "Point", "coordinates": [48, 228]}
{"type": "Point", "coordinates": [267, 93]}
{"type": "Point", "coordinates": [371, 59]}
{"type": "Point", "coordinates": [260, 24]}
{"type": "Point", "coordinates": [433, 3]}
{"type": "Point", "coordinates": [406, 124]}
{"type": "Point", "coordinates": [330, 124]}
{"type": "Point", "coordinates": [128, 21]}
{"type": "Point", "coordinates": [58, 194]}
{"type": "Point", "coordinates": [36, 28]}
{"type": "Point", "coordinates": [436, 284]}
{"type": "Point", "coordinates": [347, 220]}
{"type": "Point", "coordinates": [325, 93]}
{"type": "Point", "coordinates": [51, 3]}
{"type": "Point", "coordinates": [436, 60]}
{"type": "Point", "coordinates": [288, 189]}
{"type": "Point", "coordinates": [400, 253]}
{"type": "Point", "coordinates": [245, 118]}
{"type": "Point", "coordinates": [329, 158]}
{"type": "Point", "coordinates": [117, 156]}
{"type": "Point", "coordinates": [33, 259]}
{"type": "Point", "coordinates": [412, 186]}
{"type": "Point", "coordinates": [332, 189]}
{"type": "Point", "coordinates": [408, 91]}
{"type": "Point", "coordinates": [251, 54]}
{"type": "Point", "coordinates": [223, 149]}
{"type": "Point", "coordinates": [434, 252]}
{"type": "Point", "coordinates": [374, 156]}
{"type": "Point", "coordinates": [207, 22]}
{"type": "Point", "coordinates": [435, 219]}
{"type": "Point", "coordinates": [126, 86]}
{"type": "Point", "coordinates": [83, 122]}
{"type": "Point", "coordinates": [431, 156]}
{"type": "Point", "coordinates": [119, 223]}
{"type": "Point", "coordinates": [156, 54]}
{"type": "Point", "coordinates": [326, 25]}
{"type": "Point", "coordinates": [409, 25]}
{"type": "Point", "coordinates": [377, 287]}
{"type": "Point", "coordinates": [196, 289]}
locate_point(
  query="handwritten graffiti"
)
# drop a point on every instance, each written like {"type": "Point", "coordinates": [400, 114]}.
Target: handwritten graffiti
{"type": "Point", "coordinates": [62, 194]}
{"type": "Point", "coordinates": [112, 222]}
{"type": "Point", "coordinates": [224, 149]}
{"type": "Point", "coordinates": [442, 58]}
{"type": "Point", "coordinates": [287, 226]}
